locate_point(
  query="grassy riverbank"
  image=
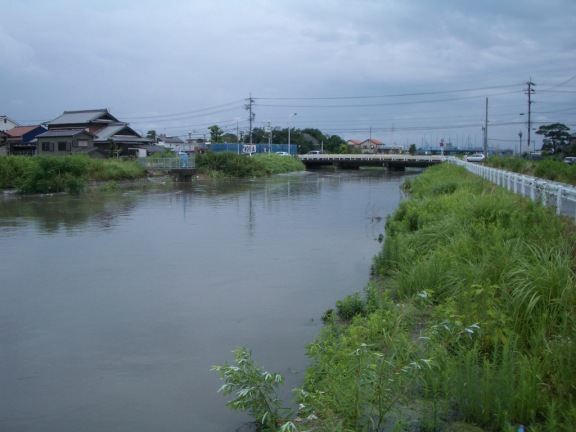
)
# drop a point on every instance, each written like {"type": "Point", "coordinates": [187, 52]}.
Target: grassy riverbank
{"type": "Point", "coordinates": [470, 317]}
{"type": "Point", "coordinates": [468, 324]}
{"type": "Point", "coordinates": [63, 174]}
{"type": "Point", "coordinates": [228, 164]}
{"type": "Point", "coordinates": [72, 174]}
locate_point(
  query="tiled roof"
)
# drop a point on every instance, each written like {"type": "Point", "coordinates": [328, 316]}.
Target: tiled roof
{"type": "Point", "coordinates": [83, 117]}
{"type": "Point", "coordinates": [18, 131]}
{"type": "Point", "coordinates": [169, 139]}
{"type": "Point", "coordinates": [113, 129]}
{"type": "Point", "coordinates": [373, 141]}
{"type": "Point", "coordinates": [62, 133]}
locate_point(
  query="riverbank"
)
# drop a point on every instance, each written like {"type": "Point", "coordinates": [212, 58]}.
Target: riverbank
{"type": "Point", "coordinates": [72, 174]}
{"type": "Point", "coordinates": [467, 324]}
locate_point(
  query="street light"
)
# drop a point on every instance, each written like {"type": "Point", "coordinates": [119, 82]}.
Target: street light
{"type": "Point", "coordinates": [290, 115]}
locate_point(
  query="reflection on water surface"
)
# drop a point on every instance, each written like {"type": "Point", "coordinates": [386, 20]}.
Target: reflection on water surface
{"type": "Point", "coordinates": [115, 305]}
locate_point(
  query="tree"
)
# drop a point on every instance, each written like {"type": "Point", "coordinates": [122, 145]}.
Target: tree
{"type": "Point", "coordinates": [151, 135]}
{"type": "Point", "coordinates": [556, 137]}
{"type": "Point", "coordinates": [412, 149]}
{"type": "Point", "coordinates": [259, 136]}
{"type": "Point", "coordinates": [215, 133]}
{"type": "Point", "coordinates": [335, 144]}
{"type": "Point", "coordinates": [229, 138]}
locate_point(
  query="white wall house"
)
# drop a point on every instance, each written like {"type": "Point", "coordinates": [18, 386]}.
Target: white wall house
{"type": "Point", "coordinates": [7, 124]}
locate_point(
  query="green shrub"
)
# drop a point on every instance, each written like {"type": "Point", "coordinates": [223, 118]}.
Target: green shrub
{"type": "Point", "coordinates": [50, 174]}
{"type": "Point", "coordinates": [254, 390]}
{"type": "Point", "coordinates": [14, 170]}
{"type": "Point", "coordinates": [351, 306]}
{"type": "Point", "coordinates": [234, 165]}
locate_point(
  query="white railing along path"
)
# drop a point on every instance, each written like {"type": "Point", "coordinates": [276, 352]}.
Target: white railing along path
{"type": "Point", "coordinates": [560, 196]}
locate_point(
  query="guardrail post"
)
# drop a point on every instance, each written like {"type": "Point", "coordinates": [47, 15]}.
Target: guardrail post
{"type": "Point", "coordinates": [559, 191]}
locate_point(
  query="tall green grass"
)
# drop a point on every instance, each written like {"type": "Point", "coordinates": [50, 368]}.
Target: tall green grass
{"type": "Point", "coordinates": [49, 174]}
{"type": "Point", "coordinates": [13, 171]}
{"type": "Point", "coordinates": [484, 283]}
{"type": "Point", "coordinates": [231, 164]}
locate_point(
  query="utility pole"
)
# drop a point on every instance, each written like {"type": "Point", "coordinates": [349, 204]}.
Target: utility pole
{"type": "Point", "coordinates": [269, 137]}
{"type": "Point", "coordinates": [251, 115]}
{"type": "Point", "coordinates": [238, 136]}
{"type": "Point", "coordinates": [486, 131]}
{"type": "Point", "coordinates": [529, 91]}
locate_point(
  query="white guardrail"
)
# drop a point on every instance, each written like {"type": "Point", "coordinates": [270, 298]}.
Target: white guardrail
{"type": "Point", "coordinates": [560, 196]}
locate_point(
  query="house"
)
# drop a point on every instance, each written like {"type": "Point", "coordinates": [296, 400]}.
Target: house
{"type": "Point", "coordinates": [371, 146]}
{"type": "Point", "coordinates": [354, 143]}
{"type": "Point", "coordinates": [21, 140]}
{"type": "Point", "coordinates": [6, 123]}
{"type": "Point", "coordinates": [63, 142]}
{"type": "Point", "coordinates": [170, 142]}
{"type": "Point", "coordinates": [110, 135]}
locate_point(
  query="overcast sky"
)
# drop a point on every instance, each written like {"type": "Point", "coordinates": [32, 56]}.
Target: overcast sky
{"type": "Point", "coordinates": [400, 71]}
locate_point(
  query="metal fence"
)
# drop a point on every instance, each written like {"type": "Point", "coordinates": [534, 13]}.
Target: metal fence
{"type": "Point", "coordinates": [167, 164]}
{"type": "Point", "coordinates": [560, 196]}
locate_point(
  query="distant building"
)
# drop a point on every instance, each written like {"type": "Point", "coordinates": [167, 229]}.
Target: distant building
{"type": "Point", "coordinates": [63, 142]}
{"type": "Point", "coordinates": [173, 143]}
{"type": "Point", "coordinates": [108, 134]}
{"type": "Point", "coordinates": [7, 124]}
{"type": "Point", "coordinates": [21, 140]}
{"type": "Point", "coordinates": [371, 146]}
{"type": "Point", "coordinates": [354, 143]}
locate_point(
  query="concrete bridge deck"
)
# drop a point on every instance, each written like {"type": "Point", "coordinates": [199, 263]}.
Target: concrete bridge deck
{"type": "Point", "coordinates": [355, 161]}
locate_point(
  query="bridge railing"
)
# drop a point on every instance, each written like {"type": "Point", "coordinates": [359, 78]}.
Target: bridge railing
{"type": "Point", "coordinates": [167, 164]}
{"type": "Point", "coordinates": [372, 157]}
{"type": "Point", "coordinates": [560, 196]}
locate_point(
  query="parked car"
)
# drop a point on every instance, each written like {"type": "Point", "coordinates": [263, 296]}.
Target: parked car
{"type": "Point", "coordinates": [570, 160]}
{"type": "Point", "coordinates": [283, 153]}
{"type": "Point", "coordinates": [476, 157]}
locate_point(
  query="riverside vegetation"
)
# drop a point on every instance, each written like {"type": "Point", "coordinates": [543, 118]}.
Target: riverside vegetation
{"type": "Point", "coordinates": [468, 324]}
{"type": "Point", "coordinates": [548, 168]}
{"type": "Point", "coordinates": [228, 164]}
{"type": "Point", "coordinates": [49, 174]}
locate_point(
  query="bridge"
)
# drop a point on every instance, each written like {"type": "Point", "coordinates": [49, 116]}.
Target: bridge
{"type": "Point", "coordinates": [355, 161]}
{"type": "Point", "coordinates": [181, 169]}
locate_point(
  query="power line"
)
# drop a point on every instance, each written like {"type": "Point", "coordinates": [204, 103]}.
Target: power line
{"type": "Point", "coordinates": [199, 111]}
{"type": "Point", "coordinates": [389, 95]}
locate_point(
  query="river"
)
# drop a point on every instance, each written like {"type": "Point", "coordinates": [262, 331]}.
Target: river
{"type": "Point", "coordinates": [115, 305]}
